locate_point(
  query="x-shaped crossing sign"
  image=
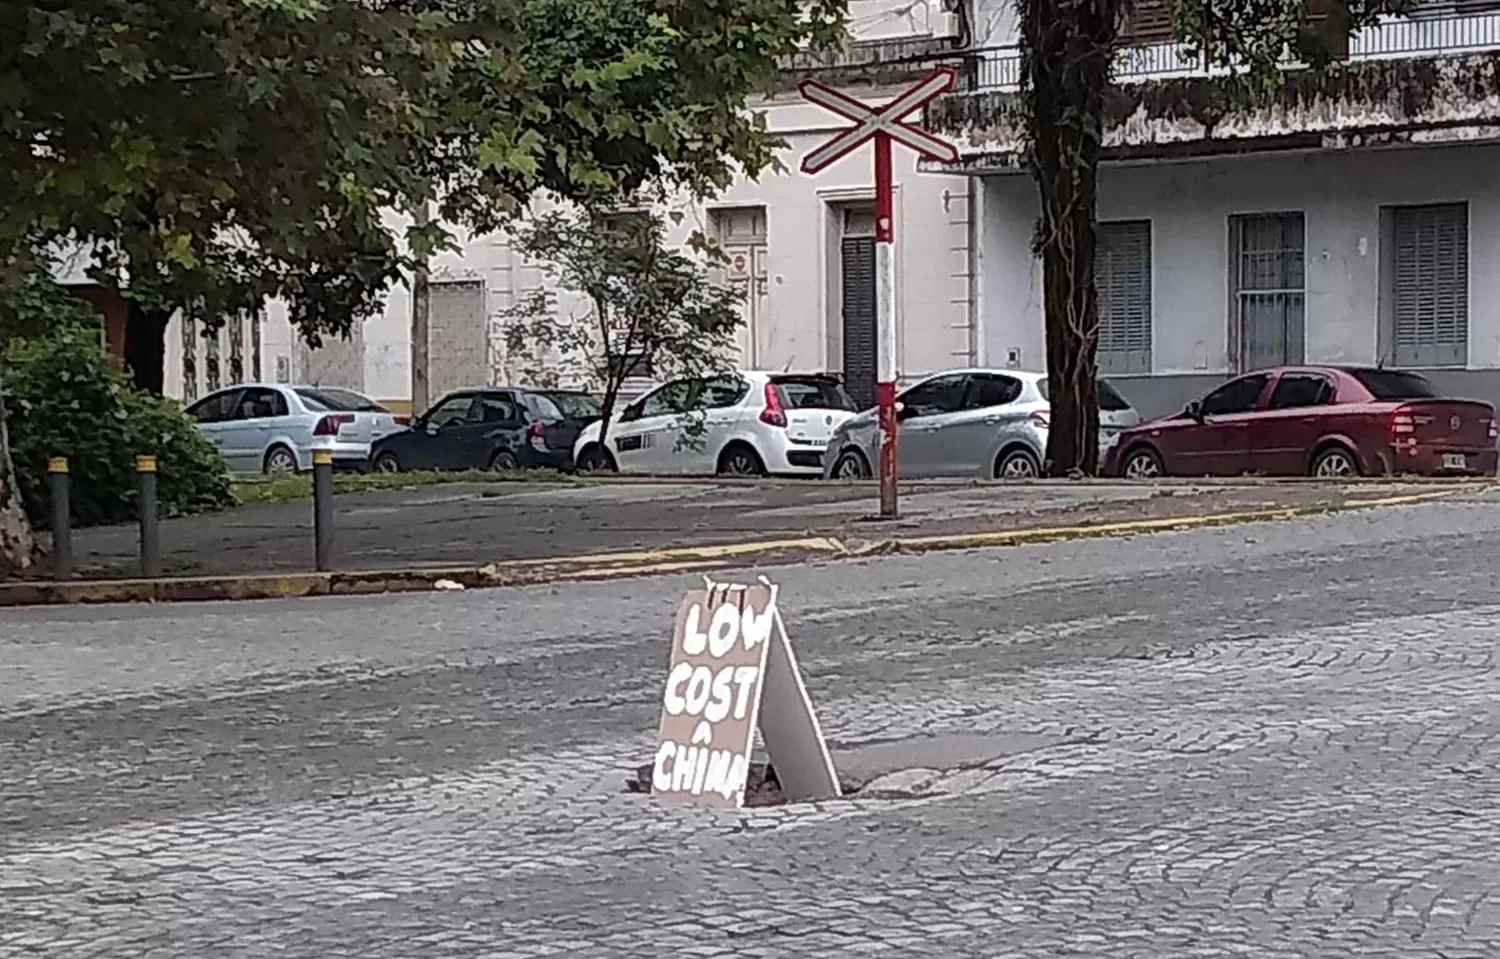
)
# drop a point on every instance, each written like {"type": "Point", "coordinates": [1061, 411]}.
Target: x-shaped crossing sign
{"type": "Point", "coordinates": [888, 119]}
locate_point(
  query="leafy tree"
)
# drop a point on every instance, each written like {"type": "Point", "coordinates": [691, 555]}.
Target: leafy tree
{"type": "Point", "coordinates": [647, 304]}
{"type": "Point", "coordinates": [65, 400]}
{"type": "Point", "coordinates": [218, 152]}
{"type": "Point", "coordinates": [1068, 52]}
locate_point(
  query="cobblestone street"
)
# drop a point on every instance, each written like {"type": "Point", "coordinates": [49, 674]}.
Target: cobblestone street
{"type": "Point", "coordinates": [1269, 741]}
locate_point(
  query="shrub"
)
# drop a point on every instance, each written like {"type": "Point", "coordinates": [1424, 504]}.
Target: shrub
{"type": "Point", "coordinates": [64, 400]}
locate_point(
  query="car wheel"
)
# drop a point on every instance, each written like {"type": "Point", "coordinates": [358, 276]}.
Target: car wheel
{"type": "Point", "coordinates": [739, 459]}
{"type": "Point", "coordinates": [1143, 463]}
{"type": "Point", "coordinates": [1336, 462]}
{"type": "Point", "coordinates": [279, 459]}
{"type": "Point", "coordinates": [1017, 464]}
{"type": "Point", "coordinates": [596, 459]}
{"type": "Point", "coordinates": [504, 461]}
{"type": "Point", "coordinates": [851, 464]}
{"type": "Point", "coordinates": [387, 463]}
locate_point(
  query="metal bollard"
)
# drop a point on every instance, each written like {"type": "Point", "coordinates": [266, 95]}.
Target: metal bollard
{"type": "Point", "coordinates": [62, 517]}
{"type": "Point", "coordinates": [323, 509]}
{"type": "Point", "coordinates": [145, 473]}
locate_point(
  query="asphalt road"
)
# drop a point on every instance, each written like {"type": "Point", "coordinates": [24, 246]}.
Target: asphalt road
{"type": "Point", "coordinates": [1267, 741]}
{"type": "Point", "coordinates": [475, 524]}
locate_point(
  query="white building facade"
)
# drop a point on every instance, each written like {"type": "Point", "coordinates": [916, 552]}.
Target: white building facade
{"type": "Point", "coordinates": [1355, 219]}
{"type": "Point", "coordinates": [800, 247]}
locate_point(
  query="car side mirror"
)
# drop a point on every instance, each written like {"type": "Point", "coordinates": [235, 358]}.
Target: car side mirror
{"type": "Point", "coordinates": [430, 428]}
{"type": "Point", "coordinates": [631, 412]}
{"type": "Point", "coordinates": [902, 410]}
{"type": "Point", "coordinates": [1194, 411]}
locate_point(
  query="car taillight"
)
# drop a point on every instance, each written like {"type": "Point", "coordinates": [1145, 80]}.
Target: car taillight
{"type": "Point", "coordinates": [773, 414]}
{"type": "Point", "coordinates": [536, 435]}
{"type": "Point", "coordinates": [1041, 419]}
{"type": "Point", "coordinates": [1403, 428]}
{"type": "Point", "coordinates": [330, 424]}
{"type": "Point", "coordinates": [401, 420]}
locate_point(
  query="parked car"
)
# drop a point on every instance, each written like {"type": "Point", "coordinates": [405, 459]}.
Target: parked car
{"type": "Point", "coordinates": [748, 423]}
{"type": "Point", "coordinates": [577, 405]}
{"type": "Point", "coordinates": [990, 423]}
{"type": "Point", "coordinates": [1326, 421]}
{"type": "Point", "coordinates": [273, 428]}
{"type": "Point", "coordinates": [499, 428]}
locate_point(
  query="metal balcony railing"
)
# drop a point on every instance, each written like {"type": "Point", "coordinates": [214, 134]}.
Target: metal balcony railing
{"type": "Point", "coordinates": [999, 68]}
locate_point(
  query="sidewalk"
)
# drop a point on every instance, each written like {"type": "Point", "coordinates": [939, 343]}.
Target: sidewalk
{"type": "Point", "coordinates": [473, 525]}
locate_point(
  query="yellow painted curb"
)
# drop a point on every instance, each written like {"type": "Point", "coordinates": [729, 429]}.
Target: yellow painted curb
{"type": "Point", "coordinates": [1013, 537]}
{"type": "Point", "coordinates": [813, 544]}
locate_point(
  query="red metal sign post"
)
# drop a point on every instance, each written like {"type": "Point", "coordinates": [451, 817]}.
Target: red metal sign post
{"type": "Point", "coordinates": [882, 124]}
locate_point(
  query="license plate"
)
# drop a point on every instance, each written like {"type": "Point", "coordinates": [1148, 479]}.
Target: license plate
{"type": "Point", "coordinates": [1454, 461]}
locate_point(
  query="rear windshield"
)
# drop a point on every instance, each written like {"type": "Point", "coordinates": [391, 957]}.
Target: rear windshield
{"type": "Point", "coordinates": [1110, 400]}
{"type": "Point", "coordinates": [577, 406]}
{"type": "Point", "coordinates": [327, 399]}
{"type": "Point", "coordinates": [1395, 385]}
{"type": "Point", "coordinates": [813, 393]}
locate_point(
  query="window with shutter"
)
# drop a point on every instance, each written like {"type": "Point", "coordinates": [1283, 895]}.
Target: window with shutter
{"type": "Point", "coordinates": [1122, 275]}
{"type": "Point", "coordinates": [1429, 285]}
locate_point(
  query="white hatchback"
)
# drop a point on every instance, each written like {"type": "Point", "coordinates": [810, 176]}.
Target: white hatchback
{"type": "Point", "coordinates": [747, 423]}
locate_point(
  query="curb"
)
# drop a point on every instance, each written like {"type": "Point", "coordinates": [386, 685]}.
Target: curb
{"type": "Point", "coordinates": [598, 566]}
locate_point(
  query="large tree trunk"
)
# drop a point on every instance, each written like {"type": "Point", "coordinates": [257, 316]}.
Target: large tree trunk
{"type": "Point", "coordinates": [1068, 48]}
{"type": "Point", "coordinates": [146, 347]}
{"type": "Point", "coordinates": [17, 545]}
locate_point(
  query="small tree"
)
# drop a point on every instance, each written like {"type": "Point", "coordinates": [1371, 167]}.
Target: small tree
{"type": "Point", "coordinates": [646, 304]}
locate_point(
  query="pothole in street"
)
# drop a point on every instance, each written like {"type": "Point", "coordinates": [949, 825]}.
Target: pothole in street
{"type": "Point", "coordinates": [762, 788]}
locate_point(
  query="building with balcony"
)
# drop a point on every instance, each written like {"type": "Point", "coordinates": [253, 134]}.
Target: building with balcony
{"type": "Point", "coordinates": [1354, 218]}
{"type": "Point", "coordinates": [801, 248]}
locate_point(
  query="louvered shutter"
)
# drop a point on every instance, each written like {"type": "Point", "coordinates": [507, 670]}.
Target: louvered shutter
{"type": "Point", "coordinates": [1122, 275]}
{"type": "Point", "coordinates": [859, 319]}
{"type": "Point", "coordinates": [1430, 285]}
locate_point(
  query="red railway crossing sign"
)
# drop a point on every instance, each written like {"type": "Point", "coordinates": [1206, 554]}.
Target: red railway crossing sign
{"type": "Point", "coordinates": [882, 124]}
{"type": "Point", "coordinates": [870, 121]}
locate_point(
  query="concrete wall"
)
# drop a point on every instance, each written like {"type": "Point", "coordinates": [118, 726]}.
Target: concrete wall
{"type": "Point", "coordinates": [1340, 195]}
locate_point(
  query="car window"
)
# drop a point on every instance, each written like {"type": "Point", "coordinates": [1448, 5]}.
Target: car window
{"type": "Point", "coordinates": [813, 393]}
{"type": "Point", "coordinates": [215, 408]}
{"type": "Point", "coordinates": [942, 394]}
{"type": "Point", "coordinates": [545, 410]}
{"type": "Point", "coordinates": [575, 406]}
{"type": "Point", "coordinates": [450, 410]}
{"type": "Point", "coordinates": [721, 391]}
{"type": "Point", "coordinates": [672, 398]}
{"type": "Point", "coordinates": [494, 408]}
{"type": "Point", "coordinates": [991, 389]}
{"type": "Point", "coordinates": [258, 403]}
{"type": "Point", "coordinates": [1110, 400]}
{"type": "Point", "coordinates": [326, 399]}
{"type": "Point", "coordinates": [1396, 385]}
{"type": "Point", "coordinates": [1236, 396]}
{"type": "Point", "coordinates": [1295, 390]}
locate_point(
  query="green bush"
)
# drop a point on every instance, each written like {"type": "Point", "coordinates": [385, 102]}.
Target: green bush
{"type": "Point", "coordinates": [62, 399]}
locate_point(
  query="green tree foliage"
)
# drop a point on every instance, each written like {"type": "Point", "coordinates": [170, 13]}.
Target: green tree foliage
{"type": "Point", "coordinates": [1068, 49]}
{"type": "Point", "coordinates": [217, 152]}
{"type": "Point", "coordinates": [64, 400]}
{"type": "Point", "coordinates": [647, 304]}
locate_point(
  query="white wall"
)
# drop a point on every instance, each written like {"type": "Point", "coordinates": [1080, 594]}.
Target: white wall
{"type": "Point", "coordinates": [1189, 204]}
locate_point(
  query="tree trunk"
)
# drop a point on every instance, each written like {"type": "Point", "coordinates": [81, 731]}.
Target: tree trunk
{"type": "Point", "coordinates": [146, 347]}
{"type": "Point", "coordinates": [17, 545]}
{"type": "Point", "coordinates": [1067, 45]}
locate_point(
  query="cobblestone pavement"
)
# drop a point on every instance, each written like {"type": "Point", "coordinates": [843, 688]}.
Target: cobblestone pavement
{"type": "Point", "coordinates": [1257, 741]}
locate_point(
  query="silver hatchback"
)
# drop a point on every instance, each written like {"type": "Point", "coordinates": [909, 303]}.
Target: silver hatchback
{"type": "Point", "coordinates": [976, 422]}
